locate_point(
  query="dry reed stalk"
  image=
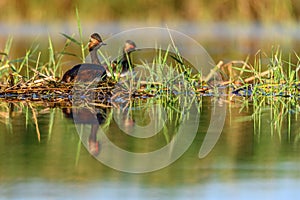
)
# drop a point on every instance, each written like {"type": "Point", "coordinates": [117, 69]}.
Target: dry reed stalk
{"type": "Point", "coordinates": [36, 122]}
{"type": "Point", "coordinates": [259, 75]}
{"type": "Point", "coordinates": [99, 105]}
{"type": "Point", "coordinates": [213, 71]}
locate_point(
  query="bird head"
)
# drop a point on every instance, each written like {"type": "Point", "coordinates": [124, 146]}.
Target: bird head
{"type": "Point", "coordinates": [129, 46]}
{"type": "Point", "coordinates": [95, 42]}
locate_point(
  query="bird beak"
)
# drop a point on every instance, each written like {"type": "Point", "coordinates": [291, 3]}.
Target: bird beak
{"type": "Point", "coordinates": [102, 43]}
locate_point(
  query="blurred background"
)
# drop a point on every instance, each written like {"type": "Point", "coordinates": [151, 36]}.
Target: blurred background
{"type": "Point", "coordinates": [261, 11]}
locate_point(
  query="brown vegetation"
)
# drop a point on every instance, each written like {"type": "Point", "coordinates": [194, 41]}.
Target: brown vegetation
{"type": "Point", "coordinates": [148, 10]}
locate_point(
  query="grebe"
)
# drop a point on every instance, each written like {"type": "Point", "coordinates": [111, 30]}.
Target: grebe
{"type": "Point", "coordinates": [124, 63]}
{"type": "Point", "coordinates": [88, 71]}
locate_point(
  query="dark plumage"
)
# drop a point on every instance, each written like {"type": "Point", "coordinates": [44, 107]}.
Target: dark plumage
{"type": "Point", "coordinates": [88, 71]}
{"type": "Point", "coordinates": [124, 62]}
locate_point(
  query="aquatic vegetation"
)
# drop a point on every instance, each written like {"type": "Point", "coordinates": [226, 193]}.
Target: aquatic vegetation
{"type": "Point", "coordinates": [165, 79]}
{"type": "Point", "coordinates": [29, 75]}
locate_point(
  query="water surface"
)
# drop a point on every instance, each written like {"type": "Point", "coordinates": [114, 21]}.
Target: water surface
{"type": "Point", "coordinates": [246, 162]}
{"type": "Point", "coordinates": [255, 156]}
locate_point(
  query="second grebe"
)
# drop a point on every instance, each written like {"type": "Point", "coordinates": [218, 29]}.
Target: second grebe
{"type": "Point", "coordinates": [120, 67]}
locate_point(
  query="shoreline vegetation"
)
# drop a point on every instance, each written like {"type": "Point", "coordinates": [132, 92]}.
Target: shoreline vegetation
{"type": "Point", "coordinates": [28, 78]}
{"type": "Point", "coordinates": [32, 83]}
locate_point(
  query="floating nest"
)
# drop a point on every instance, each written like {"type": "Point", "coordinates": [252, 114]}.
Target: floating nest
{"type": "Point", "coordinates": [50, 89]}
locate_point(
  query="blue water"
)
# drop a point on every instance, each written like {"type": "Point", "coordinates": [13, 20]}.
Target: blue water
{"type": "Point", "coordinates": [283, 188]}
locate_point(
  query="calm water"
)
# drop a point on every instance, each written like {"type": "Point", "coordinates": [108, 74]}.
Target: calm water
{"type": "Point", "coordinates": [256, 155]}
{"type": "Point", "coordinates": [246, 162]}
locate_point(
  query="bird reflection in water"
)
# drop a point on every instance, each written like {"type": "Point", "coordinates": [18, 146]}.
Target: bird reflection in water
{"type": "Point", "coordinates": [97, 117]}
{"type": "Point", "coordinates": [90, 115]}
{"type": "Point", "coordinates": [94, 117]}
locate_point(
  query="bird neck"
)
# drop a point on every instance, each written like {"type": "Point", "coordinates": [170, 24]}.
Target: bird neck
{"type": "Point", "coordinates": [94, 56]}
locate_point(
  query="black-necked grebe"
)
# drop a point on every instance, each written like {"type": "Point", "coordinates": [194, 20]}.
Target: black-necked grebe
{"type": "Point", "coordinates": [88, 71]}
{"type": "Point", "coordinates": [121, 67]}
